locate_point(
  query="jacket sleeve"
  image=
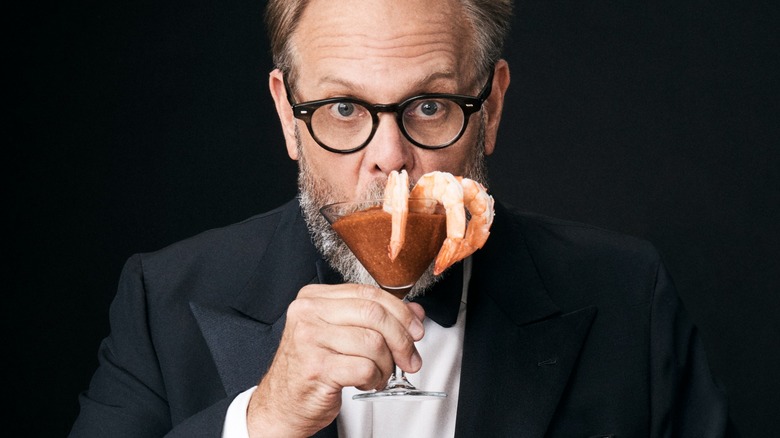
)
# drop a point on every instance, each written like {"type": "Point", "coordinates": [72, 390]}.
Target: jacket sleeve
{"type": "Point", "coordinates": [686, 401]}
{"type": "Point", "coordinates": [126, 396]}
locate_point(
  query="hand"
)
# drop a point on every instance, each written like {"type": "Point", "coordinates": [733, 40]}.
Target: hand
{"type": "Point", "coordinates": [335, 336]}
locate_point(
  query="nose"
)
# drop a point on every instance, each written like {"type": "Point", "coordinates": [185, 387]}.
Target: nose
{"type": "Point", "coordinates": [388, 150]}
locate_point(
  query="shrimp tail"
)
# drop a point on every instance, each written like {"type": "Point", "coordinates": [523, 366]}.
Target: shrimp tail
{"type": "Point", "coordinates": [447, 255]}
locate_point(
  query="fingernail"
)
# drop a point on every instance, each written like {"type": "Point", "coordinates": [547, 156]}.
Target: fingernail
{"type": "Point", "coordinates": [416, 329]}
{"type": "Point", "coordinates": [416, 360]}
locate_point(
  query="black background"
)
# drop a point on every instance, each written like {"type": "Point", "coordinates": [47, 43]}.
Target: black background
{"type": "Point", "coordinates": [136, 124]}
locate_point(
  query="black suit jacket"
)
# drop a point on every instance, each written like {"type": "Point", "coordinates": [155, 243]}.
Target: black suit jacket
{"type": "Point", "coordinates": [571, 331]}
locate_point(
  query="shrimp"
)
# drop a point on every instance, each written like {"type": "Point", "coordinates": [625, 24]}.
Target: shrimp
{"type": "Point", "coordinates": [444, 188]}
{"type": "Point", "coordinates": [480, 206]}
{"type": "Point", "coordinates": [457, 195]}
{"type": "Point", "coordinates": [396, 203]}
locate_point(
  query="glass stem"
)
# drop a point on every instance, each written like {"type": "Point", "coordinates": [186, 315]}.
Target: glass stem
{"type": "Point", "coordinates": [398, 380]}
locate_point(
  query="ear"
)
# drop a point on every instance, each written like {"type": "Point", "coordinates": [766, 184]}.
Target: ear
{"type": "Point", "coordinates": [494, 104]}
{"type": "Point", "coordinates": [279, 94]}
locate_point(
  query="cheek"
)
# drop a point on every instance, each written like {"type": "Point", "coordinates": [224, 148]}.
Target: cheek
{"type": "Point", "coordinates": [337, 172]}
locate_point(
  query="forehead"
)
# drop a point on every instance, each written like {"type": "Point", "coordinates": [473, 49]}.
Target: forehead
{"type": "Point", "coordinates": [378, 41]}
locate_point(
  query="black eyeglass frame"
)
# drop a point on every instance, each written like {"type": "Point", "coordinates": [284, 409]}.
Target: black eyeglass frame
{"type": "Point", "coordinates": [468, 104]}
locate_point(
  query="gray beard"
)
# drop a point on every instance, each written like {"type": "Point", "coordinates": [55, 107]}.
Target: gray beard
{"type": "Point", "coordinates": [314, 192]}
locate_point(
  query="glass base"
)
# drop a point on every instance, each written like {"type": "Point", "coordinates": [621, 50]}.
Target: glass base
{"type": "Point", "coordinates": [398, 388]}
{"type": "Point", "coordinates": [400, 394]}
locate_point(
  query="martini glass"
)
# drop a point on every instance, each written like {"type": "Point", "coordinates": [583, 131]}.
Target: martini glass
{"type": "Point", "coordinates": [365, 228]}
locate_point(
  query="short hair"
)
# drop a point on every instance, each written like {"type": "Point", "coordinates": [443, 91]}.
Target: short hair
{"type": "Point", "coordinates": [489, 19]}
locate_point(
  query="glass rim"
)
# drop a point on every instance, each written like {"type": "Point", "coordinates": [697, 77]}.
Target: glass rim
{"type": "Point", "coordinates": [362, 204]}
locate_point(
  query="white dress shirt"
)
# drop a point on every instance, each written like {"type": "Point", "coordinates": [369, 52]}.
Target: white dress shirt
{"type": "Point", "coordinates": [441, 351]}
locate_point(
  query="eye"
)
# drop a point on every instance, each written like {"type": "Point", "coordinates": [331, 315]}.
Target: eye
{"type": "Point", "coordinates": [429, 107]}
{"type": "Point", "coordinates": [345, 109]}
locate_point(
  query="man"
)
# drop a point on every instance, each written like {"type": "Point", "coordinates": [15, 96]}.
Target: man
{"type": "Point", "coordinates": [266, 328]}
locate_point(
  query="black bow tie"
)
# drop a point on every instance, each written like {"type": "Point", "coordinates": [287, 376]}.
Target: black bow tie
{"type": "Point", "coordinates": [441, 302]}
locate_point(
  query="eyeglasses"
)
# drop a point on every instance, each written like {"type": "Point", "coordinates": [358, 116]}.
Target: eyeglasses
{"type": "Point", "coordinates": [429, 121]}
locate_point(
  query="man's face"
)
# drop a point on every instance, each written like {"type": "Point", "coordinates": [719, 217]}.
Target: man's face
{"type": "Point", "coordinates": [379, 51]}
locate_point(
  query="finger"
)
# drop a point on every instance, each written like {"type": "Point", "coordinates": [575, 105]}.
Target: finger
{"type": "Point", "coordinates": [365, 314]}
{"type": "Point", "coordinates": [359, 342]}
{"type": "Point", "coordinates": [412, 321]}
{"type": "Point", "coordinates": [418, 310]}
{"type": "Point", "coordinates": [356, 371]}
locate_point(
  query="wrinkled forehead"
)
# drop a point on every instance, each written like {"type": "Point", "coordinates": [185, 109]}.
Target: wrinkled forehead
{"type": "Point", "coordinates": [378, 40]}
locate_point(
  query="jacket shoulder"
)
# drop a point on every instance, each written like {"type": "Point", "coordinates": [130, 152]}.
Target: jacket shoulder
{"type": "Point", "coordinates": [584, 262]}
{"type": "Point", "coordinates": [545, 234]}
{"type": "Point", "coordinates": [225, 256]}
{"type": "Point", "coordinates": [251, 234]}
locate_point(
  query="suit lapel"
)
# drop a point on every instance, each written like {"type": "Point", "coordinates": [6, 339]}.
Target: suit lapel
{"type": "Point", "coordinates": [242, 348]}
{"type": "Point", "coordinates": [519, 349]}
{"type": "Point", "coordinates": [287, 265]}
{"type": "Point", "coordinates": [243, 334]}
